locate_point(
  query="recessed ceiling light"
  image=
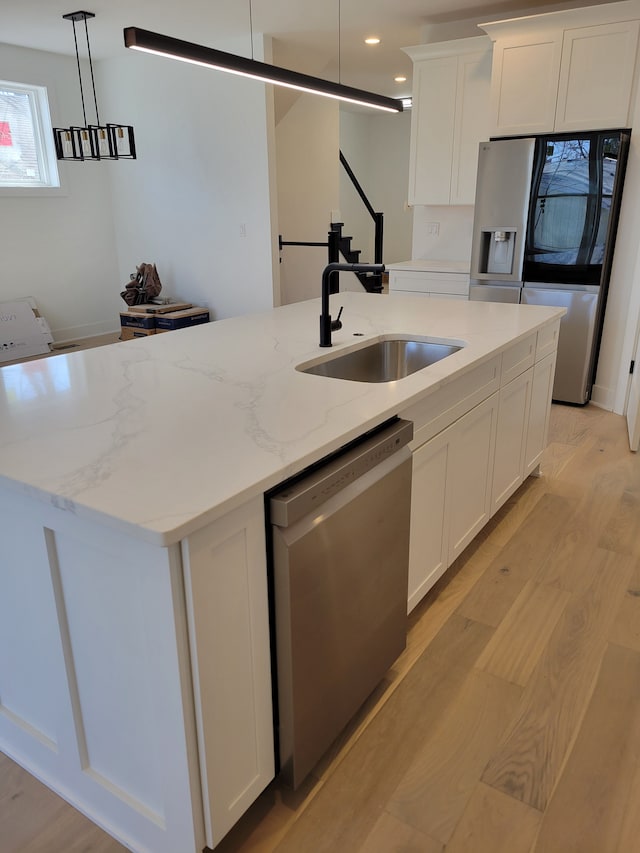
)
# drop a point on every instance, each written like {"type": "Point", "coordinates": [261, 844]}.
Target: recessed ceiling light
{"type": "Point", "coordinates": [372, 40]}
{"type": "Point", "coordinates": [400, 79]}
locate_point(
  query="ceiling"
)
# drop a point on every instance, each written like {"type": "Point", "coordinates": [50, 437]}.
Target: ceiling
{"type": "Point", "coordinates": [327, 31]}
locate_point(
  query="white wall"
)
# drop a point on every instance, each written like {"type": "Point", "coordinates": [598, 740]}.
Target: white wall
{"type": "Point", "coordinates": [454, 225]}
{"type": "Point", "coordinates": [196, 201]}
{"type": "Point", "coordinates": [376, 145]}
{"type": "Point", "coordinates": [59, 247]}
{"type": "Point", "coordinates": [308, 190]}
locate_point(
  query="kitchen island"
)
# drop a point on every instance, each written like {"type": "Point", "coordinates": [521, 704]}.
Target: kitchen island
{"type": "Point", "coordinates": [134, 629]}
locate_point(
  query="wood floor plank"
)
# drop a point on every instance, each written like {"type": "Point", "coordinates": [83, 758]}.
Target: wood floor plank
{"type": "Point", "coordinates": [586, 810]}
{"type": "Point", "coordinates": [393, 836]}
{"type": "Point", "coordinates": [495, 823]}
{"type": "Point", "coordinates": [622, 530]}
{"type": "Point", "coordinates": [563, 563]}
{"type": "Point", "coordinates": [630, 830]}
{"type": "Point", "coordinates": [528, 763]}
{"type": "Point", "coordinates": [494, 594]}
{"type": "Point", "coordinates": [35, 820]}
{"type": "Point", "coordinates": [515, 648]}
{"type": "Point", "coordinates": [625, 628]}
{"type": "Point", "coordinates": [439, 782]}
{"type": "Point", "coordinates": [371, 770]}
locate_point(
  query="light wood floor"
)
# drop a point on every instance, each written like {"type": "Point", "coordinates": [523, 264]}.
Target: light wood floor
{"type": "Point", "coordinates": [511, 723]}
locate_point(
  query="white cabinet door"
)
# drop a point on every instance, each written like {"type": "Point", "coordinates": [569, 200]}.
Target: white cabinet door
{"type": "Point", "coordinates": [432, 129]}
{"type": "Point", "coordinates": [471, 124]}
{"type": "Point", "coordinates": [538, 426]}
{"type": "Point", "coordinates": [471, 474]}
{"type": "Point", "coordinates": [450, 117]}
{"type": "Point", "coordinates": [228, 616]}
{"type": "Point", "coordinates": [428, 543]}
{"type": "Point", "coordinates": [511, 435]}
{"type": "Point", "coordinates": [524, 84]}
{"type": "Point", "coordinates": [596, 76]}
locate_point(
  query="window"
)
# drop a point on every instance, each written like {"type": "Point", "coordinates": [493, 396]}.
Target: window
{"type": "Point", "coordinates": [27, 156]}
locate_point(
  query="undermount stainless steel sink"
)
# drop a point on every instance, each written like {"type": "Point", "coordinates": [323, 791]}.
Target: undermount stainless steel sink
{"type": "Point", "coordinates": [383, 361]}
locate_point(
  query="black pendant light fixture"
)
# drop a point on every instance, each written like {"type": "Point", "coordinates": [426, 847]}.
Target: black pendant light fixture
{"type": "Point", "coordinates": [186, 51]}
{"type": "Point", "coordinates": [92, 141]}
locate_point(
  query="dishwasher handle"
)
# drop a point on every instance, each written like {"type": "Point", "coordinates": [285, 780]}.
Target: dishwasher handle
{"type": "Point", "coordinates": [331, 475]}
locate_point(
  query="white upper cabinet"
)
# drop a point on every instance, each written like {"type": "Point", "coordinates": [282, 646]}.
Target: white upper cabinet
{"type": "Point", "coordinates": [596, 76]}
{"type": "Point", "coordinates": [451, 82]}
{"type": "Point", "coordinates": [549, 74]}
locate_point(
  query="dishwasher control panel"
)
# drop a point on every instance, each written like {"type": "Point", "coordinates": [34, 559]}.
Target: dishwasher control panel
{"type": "Point", "coordinates": [329, 476]}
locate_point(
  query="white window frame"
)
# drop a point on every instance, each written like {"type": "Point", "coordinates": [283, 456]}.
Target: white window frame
{"type": "Point", "coordinates": [45, 147]}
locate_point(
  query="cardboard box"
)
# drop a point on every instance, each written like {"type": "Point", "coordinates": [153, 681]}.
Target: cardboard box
{"type": "Point", "coordinates": [181, 319]}
{"type": "Point", "coordinates": [153, 308]}
{"type": "Point", "coordinates": [128, 333]}
{"type": "Point", "coordinates": [23, 332]}
{"type": "Point", "coordinates": [131, 320]}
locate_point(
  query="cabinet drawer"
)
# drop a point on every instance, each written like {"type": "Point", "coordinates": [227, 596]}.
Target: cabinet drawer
{"type": "Point", "coordinates": [518, 358]}
{"type": "Point", "coordinates": [547, 340]}
{"type": "Point", "coordinates": [421, 281]}
{"type": "Point", "coordinates": [446, 405]}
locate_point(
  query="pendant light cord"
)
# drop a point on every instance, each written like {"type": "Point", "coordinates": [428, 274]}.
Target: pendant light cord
{"type": "Point", "coordinates": [339, 45]}
{"type": "Point", "coordinates": [75, 39]}
{"type": "Point", "coordinates": [251, 26]}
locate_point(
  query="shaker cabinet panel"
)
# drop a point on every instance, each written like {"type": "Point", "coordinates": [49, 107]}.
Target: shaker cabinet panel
{"type": "Point", "coordinates": [524, 85]}
{"type": "Point", "coordinates": [471, 474]}
{"type": "Point", "coordinates": [513, 416]}
{"type": "Point", "coordinates": [471, 124]}
{"type": "Point", "coordinates": [428, 542]}
{"type": "Point", "coordinates": [449, 119]}
{"type": "Point", "coordinates": [596, 76]}
{"type": "Point", "coordinates": [432, 130]}
{"type": "Point", "coordinates": [540, 409]}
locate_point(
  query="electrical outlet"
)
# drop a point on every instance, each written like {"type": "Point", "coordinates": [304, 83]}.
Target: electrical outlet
{"type": "Point", "coordinates": [433, 228]}
{"type": "Point", "coordinates": [243, 230]}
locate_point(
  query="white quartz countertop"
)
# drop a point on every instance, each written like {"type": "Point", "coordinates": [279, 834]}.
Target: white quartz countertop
{"type": "Point", "coordinates": [431, 266]}
{"type": "Point", "coordinates": [158, 436]}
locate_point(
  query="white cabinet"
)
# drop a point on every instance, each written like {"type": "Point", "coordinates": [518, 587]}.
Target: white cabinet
{"type": "Point", "coordinates": [228, 619]}
{"type": "Point", "coordinates": [449, 118]}
{"type": "Point", "coordinates": [475, 441]}
{"type": "Point", "coordinates": [428, 555]}
{"type": "Point", "coordinates": [523, 413]}
{"type": "Point", "coordinates": [444, 285]}
{"type": "Point", "coordinates": [564, 71]}
{"type": "Point", "coordinates": [538, 422]}
{"type": "Point", "coordinates": [450, 495]}
{"type": "Point", "coordinates": [471, 474]}
{"type": "Point", "coordinates": [515, 399]}
{"type": "Point", "coordinates": [596, 76]}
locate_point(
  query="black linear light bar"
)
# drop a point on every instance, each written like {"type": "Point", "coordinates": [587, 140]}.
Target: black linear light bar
{"type": "Point", "coordinates": [209, 57]}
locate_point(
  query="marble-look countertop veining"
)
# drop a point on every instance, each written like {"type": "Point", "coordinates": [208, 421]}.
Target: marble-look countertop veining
{"type": "Point", "coordinates": [157, 436]}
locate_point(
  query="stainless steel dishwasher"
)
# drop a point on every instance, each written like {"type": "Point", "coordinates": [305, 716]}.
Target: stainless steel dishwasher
{"type": "Point", "coordinates": [340, 553]}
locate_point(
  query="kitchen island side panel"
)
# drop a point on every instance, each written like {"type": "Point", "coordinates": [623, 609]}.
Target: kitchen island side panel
{"type": "Point", "coordinates": [95, 692]}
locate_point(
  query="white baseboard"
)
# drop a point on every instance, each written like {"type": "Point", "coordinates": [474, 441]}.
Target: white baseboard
{"type": "Point", "coordinates": [88, 330]}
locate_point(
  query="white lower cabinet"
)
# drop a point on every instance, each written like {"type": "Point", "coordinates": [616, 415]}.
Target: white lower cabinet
{"type": "Point", "coordinates": [513, 416]}
{"type": "Point", "coordinates": [538, 425]}
{"type": "Point", "coordinates": [227, 615]}
{"type": "Point", "coordinates": [428, 556]}
{"type": "Point", "coordinates": [450, 494]}
{"type": "Point", "coordinates": [463, 474]}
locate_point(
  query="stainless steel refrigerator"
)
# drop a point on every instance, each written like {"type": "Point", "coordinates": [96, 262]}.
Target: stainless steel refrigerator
{"type": "Point", "coordinates": [545, 219]}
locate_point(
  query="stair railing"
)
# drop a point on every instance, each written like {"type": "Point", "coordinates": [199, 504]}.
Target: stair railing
{"type": "Point", "coordinates": [378, 218]}
{"type": "Point", "coordinates": [332, 244]}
